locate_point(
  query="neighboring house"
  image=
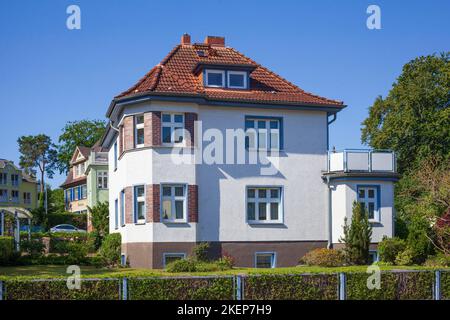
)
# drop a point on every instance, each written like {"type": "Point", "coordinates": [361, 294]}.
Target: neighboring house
{"type": "Point", "coordinates": [87, 181]}
{"type": "Point", "coordinates": [17, 189]}
{"type": "Point", "coordinates": [163, 208]}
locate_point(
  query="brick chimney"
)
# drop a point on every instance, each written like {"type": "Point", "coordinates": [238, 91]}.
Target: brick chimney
{"type": "Point", "coordinates": [214, 41]}
{"type": "Point", "coordinates": [185, 39]}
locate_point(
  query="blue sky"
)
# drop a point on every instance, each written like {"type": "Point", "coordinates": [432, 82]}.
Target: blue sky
{"type": "Point", "coordinates": [50, 75]}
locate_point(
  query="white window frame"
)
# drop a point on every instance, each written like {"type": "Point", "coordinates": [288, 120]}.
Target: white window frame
{"type": "Point", "coordinates": [208, 71]}
{"type": "Point", "coordinates": [27, 197]}
{"type": "Point", "coordinates": [138, 126]}
{"type": "Point", "coordinates": [366, 200]}
{"type": "Point", "coordinates": [273, 258]}
{"type": "Point", "coordinates": [136, 200]}
{"type": "Point", "coordinates": [243, 73]}
{"type": "Point", "coordinates": [174, 198]}
{"type": "Point", "coordinates": [180, 126]}
{"type": "Point", "coordinates": [102, 177]}
{"type": "Point", "coordinates": [268, 200]}
{"type": "Point", "coordinates": [182, 255]}
{"type": "Point", "coordinates": [116, 214]}
{"type": "Point", "coordinates": [15, 199]}
{"type": "Point", "coordinates": [4, 178]}
{"type": "Point", "coordinates": [15, 179]}
{"type": "Point", "coordinates": [255, 131]}
{"type": "Point", "coordinates": [115, 155]}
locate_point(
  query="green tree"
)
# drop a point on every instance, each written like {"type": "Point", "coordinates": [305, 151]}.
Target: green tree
{"type": "Point", "coordinates": [56, 200]}
{"type": "Point", "coordinates": [77, 133]}
{"type": "Point", "coordinates": [100, 217]}
{"type": "Point", "coordinates": [414, 118]}
{"type": "Point", "coordinates": [357, 236]}
{"type": "Point", "coordinates": [38, 152]}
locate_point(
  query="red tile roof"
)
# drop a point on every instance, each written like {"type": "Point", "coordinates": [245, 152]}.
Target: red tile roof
{"type": "Point", "coordinates": [175, 75]}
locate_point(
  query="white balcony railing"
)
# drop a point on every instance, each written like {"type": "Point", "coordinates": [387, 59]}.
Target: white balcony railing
{"type": "Point", "coordinates": [99, 157]}
{"type": "Point", "coordinates": [359, 160]}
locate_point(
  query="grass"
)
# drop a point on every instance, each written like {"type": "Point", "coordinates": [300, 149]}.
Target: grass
{"type": "Point", "coordinates": [54, 271]}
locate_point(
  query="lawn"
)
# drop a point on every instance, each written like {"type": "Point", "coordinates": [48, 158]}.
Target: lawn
{"type": "Point", "coordinates": [54, 271]}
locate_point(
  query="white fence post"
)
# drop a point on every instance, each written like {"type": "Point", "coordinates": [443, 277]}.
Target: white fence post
{"type": "Point", "coordinates": [342, 286]}
{"type": "Point", "coordinates": [239, 287]}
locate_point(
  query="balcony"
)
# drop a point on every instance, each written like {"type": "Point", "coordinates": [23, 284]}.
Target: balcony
{"type": "Point", "coordinates": [361, 161]}
{"type": "Point", "coordinates": [100, 158]}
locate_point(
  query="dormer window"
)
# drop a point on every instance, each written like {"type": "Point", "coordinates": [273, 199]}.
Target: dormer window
{"type": "Point", "coordinates": [215, 78]}
{"type": "Point", "coordinates": [237, 79]}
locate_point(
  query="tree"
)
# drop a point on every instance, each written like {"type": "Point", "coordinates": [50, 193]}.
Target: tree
{"type": "Point", "coordinates": [38, 152]}
{"type": "Point", "coordinates": [414, 118]}
{"type": "Point", "coordinates": [357, 236]}
{"type": "Point", "coordinates": [56, 200]}
{"type": "Point", "coordinates": [77, 133]}
{"type": "Point", "coordinates": [100, 218]}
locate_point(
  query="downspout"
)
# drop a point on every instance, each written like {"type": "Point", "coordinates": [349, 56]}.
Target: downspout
{"type": "Point", "coordinates": [330, 216]}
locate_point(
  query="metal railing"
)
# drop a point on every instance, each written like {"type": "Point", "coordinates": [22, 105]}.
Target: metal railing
{"type": "Point", "coordinates": [361, 160]}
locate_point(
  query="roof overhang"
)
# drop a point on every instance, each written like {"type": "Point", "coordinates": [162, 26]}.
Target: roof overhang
{"type": "Point", "coordinates": [22, 213]}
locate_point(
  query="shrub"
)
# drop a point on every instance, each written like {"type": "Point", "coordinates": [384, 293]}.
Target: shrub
{"type": "Point", "coordinates": [78, 220]}
{"type": "Point", "coordinates": [183, 265]}
{"type": "Point", "coordinates": [439, 260]}
{"type": "Point", "coordinates": [6, 250]}
{"type": "Point", "coordinates": [418, 240]}
{"type": "Point", "coordinates": [110, 249]}
{"type": "Point", "coordinates": [404, 258]}
{"type": "Point", "coordinates": [323, 257]}
{"type": "Point", "coordinates": [100, 218]}
{"type": "Point", "coordinates": [389, 248]}
{"type": "Point", "coordinates": [200, 251]}
{"type": "Point", "coordinates": [33, 247]}
{"type": "Point", "coordinates": [225, 263]}
{"type": "Point", "coordinates": [77, 253]}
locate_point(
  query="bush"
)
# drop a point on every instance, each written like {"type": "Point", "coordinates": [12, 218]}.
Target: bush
{"type": "Point", "coordinates": [7, 255]}
{"type": "Point", "coordinates": [439, 260]}
{"type": "Point", "coordinates": [77, 253]}
{"type": "Point", "coordinates": [200, 251]}
{"type": "Point", "coordinates": [418, 240]}
{"type": "Point", "coordinates": [33, 247]}
{"type": "Point", "coordinates": [110, 249]}
{"type": "Point", "coordinates": [389, 248]}
{"type": "Point", "coordinates": [324, 258]}
{"type": "Point", "coordinates": [78, 220]}
{"type": "Point", "coordinates": [182, 265]}
{"type": "Point", "coordinates": [225, 263]}
{"type": "Point", "coordinates": [404, 258]}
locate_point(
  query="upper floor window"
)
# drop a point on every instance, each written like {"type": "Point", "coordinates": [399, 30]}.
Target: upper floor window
{"type": "Point", "coordinates": [102, 179]}
{"type": "Point", "coordinates": [79, 169]}
{"type": "Point", "coordinates": [15, 195]}
{"type": "Point", "coordinates": [370, 197]}
{"type": "Point", "coordinates": [237, 79]}
{"type": "Point", "coordinates": [27, 197]}
{"type": "Point", "coordinates": [174, 203]}
{"type": "Point", "coordinates": [139, 204]}
{"type": "Point", "coordinates": [3, 195]}
{"type": "Point", "coordinates": [215, 78]}
{"type": "Point", "coordinates": [139, 131]}
{"type": "Point", "coordinates": [172, 128]}
{"type": "Point", "coordinates": [3, 178]}
{"type": "Point", "coordinates": [263, 133]}
{"type": "Point", "coordinates": [264, 205]}
{"type": "Point", "coordinates": [15, 179]}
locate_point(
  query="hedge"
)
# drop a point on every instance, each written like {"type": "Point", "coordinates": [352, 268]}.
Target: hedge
{"type": "Point", "coordinates": [291, 287]}
{"type": "Point", "coordinates": [78, 220]}
{"type": "Point", "coordinates": [394, 286]}
{"type": "Point", "coordinates": [445, 285]}
{"type": "Point", "coordinates": [57, 290]}
{"type": "Point", "coordinates": [181, 288]}
{"type": "Point", "coordinates": [6, 250]}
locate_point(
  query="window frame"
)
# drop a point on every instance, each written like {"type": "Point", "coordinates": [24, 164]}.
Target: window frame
{"type": "Point", "coordinates": [122, 208]}
{"type": "Point", "coordinates": [206, 74]}
{"type": "Point", "coordinates": [245, 77]}
{"type": "Point", "coordinates": [376, 200]}
{"type": "Point", "coordinates": [138, 126]}
{"type": "Point", "coordinates": [4, 197]}
{"type": "Point", "coordinates": [103, 175]}
{"type": "Point", "coordinates": [174, 198]}
{"type": "Point", "coordinates": [173, 254]}
{"type": "Point", "coordinates": [27, 197]}
{"type": "Point", "coordinates": [116, 214]}
{"type": "Point", "coordinates": [136, 201]}
{"type": "Point", "coordinates": [4, 178]}
{"type": "Point", "coordinates": [267, 130]}
{"type": "Point", "coordinates": [273, 261]}
{"type": "Point", "coordinates": [17, 198]}
{"type": "Point", "coordinates": [375, 253]}
{"type": "Point", "coordinates": [268, 201]}
{"type": "Point", "coordinates": [173, 126]}
{"type": "Point", "coordinates": [15, 179]}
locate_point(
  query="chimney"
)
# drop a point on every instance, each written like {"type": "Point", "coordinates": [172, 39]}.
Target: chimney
{"type": "Point", "coordinates": [185, 39]}
{"type": "Point", "coordinates": [214, 41]}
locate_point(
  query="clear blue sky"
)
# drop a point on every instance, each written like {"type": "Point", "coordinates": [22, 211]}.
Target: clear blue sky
{"type": "Point", "coordinates": [50, 75]}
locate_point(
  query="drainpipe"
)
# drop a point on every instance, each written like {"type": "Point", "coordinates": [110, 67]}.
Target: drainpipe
{"type": "Point", "coordinates": [328, 127]}
{"type": "Point", "coordinates": [330, 221]}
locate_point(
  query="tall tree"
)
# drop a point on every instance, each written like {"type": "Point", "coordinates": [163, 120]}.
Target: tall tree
{"type": "Point", "coordinates": [77, 133]}
{"type": "Point", "coordinates": [414, 118]}
{"type": "Point", "coordinates": [38, 153]}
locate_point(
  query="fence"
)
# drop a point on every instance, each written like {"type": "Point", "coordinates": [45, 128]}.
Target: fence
{"type": "Point", "coordinates": [394, 285]}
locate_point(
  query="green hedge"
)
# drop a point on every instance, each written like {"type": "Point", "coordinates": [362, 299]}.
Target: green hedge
{"type": "Point", "coordinates": [199, 288]}
{"type": "Point", "coordinates": [394, 286]}
{"type": "Point", "coordinates": [445, 285]}
{"type": "Point", "coordinates": [6, 250]}
{"type": "Point", "coordinates": [291, 287]}
{"type": "Point", "coordinates": [57, 290]}
{"type": "Point", "coordinates": [78, 220]}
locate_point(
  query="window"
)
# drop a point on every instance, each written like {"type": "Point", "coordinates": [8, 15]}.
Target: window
{"type": "Point", "coordinates": [116, 214]}
{"type": "Point", "coordinates": [369, 196]}
{"type": "Point", "coordinates": [139, 204]}
{"type": "Point", "coordinates": [139, 131]}
{"type": "Point", "coordinates": [264, 205]}
{"type": "Point", "coordinates": [123, 260]}
{"type": "Point", "coordinates": [83, 191]}
{"type": "Point", "coordinates": [265, 260]}
{"type": "Point", "coordinates": [215, 78]}
{"type": "Point", "coordinates": [3, 178]}
{"type": "Point", "coordinates": [72, 194]}
{"type": "Point", "coordinates": [373, 256]}
{"type": "Point", "coordinates": [3, 195]}
{"type": "Point", "coordinates": [102, 179]}
{"type": "Point", "coordinates": [15, 195]}
{"type": "Point", "coordinates": [115, 155]}
{"type": "Point", "coordinates": [15, 179]}
{"type": "Point", "coordinates": [27, 197]}
{"type": "Point", "coordinates": [171, 257]}
{"type": "Point", "coordinates": [122, 207]}
{"type": "Point", "coordinates": [262, 133]}
{"type": "Point", "coordinates": [172, 128]}
{"type": "Point", "coordinates": [237, 79]}
{"type": "Point", "coordinates": [79, 169]}
{"type": "Point", "coordinates": [173, 203]}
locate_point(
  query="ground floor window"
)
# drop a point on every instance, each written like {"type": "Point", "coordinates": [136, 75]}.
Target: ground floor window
{"type": "Point", "coordinates": [373, 256]}
{"type": "Point", "coordinates": [264, 205]}
{"type": "Point", "coordinates": [123, 260]}
{"type": "Point", "coordinates": [173, 203]}
{"type": "Point", "coordinates": [171, 257]}
{"type": "Point", "coordinates": [369, 196]}
{"type": "Point", "coordinates": [265, 260]}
